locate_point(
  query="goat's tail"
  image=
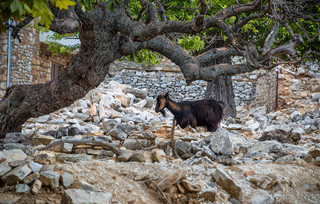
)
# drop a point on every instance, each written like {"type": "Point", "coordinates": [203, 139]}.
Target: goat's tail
{"type": "Point", "coordinates": [221, 103]}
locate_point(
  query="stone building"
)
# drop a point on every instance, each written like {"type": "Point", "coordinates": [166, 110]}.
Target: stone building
{"type": "Point", "coordinates": [31, 62]}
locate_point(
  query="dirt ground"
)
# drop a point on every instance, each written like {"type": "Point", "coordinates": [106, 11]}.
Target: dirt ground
{"type": "Point", "coordinates": [299, 185]}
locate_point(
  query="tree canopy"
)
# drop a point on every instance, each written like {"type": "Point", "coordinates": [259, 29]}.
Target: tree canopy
{"type": "Point", "coordinates": [265, 33]}
{"type": "Point", "coordinates": [304, 21]}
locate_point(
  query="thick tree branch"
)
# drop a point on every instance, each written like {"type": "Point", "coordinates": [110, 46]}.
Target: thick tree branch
{"type": "Point", "coordinates": [83, 16]}
{"type": "Point", "coordinates": [246, 20]}
{"type": "Point", "coordinates": [142, 32]}
{"type": "Point", "coordinates": [216, 53]}
{"type": "Point", "coordinates": [210, 73]}
{"type": "Point", "coordinates": [128, 47]}
{"type": "Point", "coordinates": [287, 49]}
{"type": "Point", "coordinates": [65, 21]}
{"type": "Point", "coordinates": [152, 13]}
{"type": "Point", "coordinates": [161, 11]}
{"type": "Point", "coordinates": [189, 65]}
{"type": "Point", "coordinates": [271, 37]}
{"type": "Point", "coordinates": [239, 9]}
{"type": "Point", "coordinates": [176, 54]}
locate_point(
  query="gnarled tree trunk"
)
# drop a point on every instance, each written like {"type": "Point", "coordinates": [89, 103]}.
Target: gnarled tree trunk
{"type": "Point", "coordinates": [221, 88]}
{"type": "Point", "coordinates": [87, 71]}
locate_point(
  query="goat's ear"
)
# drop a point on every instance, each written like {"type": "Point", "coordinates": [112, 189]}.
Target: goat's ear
{"type": "Point", "coordinates": [166, 95]}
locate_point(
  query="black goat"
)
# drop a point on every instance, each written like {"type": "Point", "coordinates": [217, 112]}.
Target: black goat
{"type": "Point", "coordinates": [206, 112]}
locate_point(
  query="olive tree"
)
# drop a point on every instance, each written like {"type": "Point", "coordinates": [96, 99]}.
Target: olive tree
{"type": "Point", "coordinates": [265, 33]}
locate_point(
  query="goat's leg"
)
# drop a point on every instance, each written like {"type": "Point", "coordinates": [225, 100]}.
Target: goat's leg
{"type": "Point", "coordinates": [211, 128]}
{"type": "Point", "coordinates": [173, 146]}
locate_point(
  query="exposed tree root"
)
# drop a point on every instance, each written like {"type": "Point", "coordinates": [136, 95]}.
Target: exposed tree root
{"type": "Point", "coordinates": [90, 141]}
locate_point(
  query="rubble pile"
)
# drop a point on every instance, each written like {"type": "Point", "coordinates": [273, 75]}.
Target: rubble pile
{"type": "Point", "coordinates": [111, 147]}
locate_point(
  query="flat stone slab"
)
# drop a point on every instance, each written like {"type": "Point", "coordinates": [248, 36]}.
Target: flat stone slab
{"type": "Point", "coordinates": [73, 157]}
{"type": "Point", "coordinates": [77, 196]}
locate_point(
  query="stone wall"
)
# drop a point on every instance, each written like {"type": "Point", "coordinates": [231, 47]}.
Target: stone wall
{"type": "Point", "coordinates": [30, 60]}
{"type": "Point", "coordinates": [266, 91]}
{"type": "Point", "coordinates": [297, 88]}
{"type": "Point", "coordinates": [158, 82]}
{"type": "Point", "coordinates": [26, 67]}
{"type": "Point", "coordinates": [167, 77]}
{"type": "Point", "coordinates": [258, 86]}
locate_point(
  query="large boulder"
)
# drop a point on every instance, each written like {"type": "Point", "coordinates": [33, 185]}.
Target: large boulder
{"type": "Point", "coordinates": [28, 149]}
{"type": "Point", "coordinates": [40, 139]}
{"type": "Point", "coordinates": [107, 106]}
{"type": "Point", "coordinates": [22, 188]}
{"type": "Point", "coordinates": [221, 143]}
{"type": "Point", "coordinates": [262, 197]}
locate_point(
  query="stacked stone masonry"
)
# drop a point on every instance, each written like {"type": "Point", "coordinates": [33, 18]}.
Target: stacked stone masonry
{"type": "Point", "coordinates": [26, 65]}
{"type": "Point", "coordinates": [30, 61]}
{"type": "Point", "coordinates": [166, 77]}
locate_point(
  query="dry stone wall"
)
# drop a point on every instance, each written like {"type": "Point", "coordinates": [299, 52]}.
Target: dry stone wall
{"type": "Point", "coordinates": [160, 82]}
{"type": "Point", "coordinates": [259, 86]}
{"type": "Point", "coordinates": [167, 77]}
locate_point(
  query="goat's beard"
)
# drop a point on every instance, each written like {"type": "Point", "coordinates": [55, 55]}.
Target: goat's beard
{"type": "Point", "coordinates": [163, 112]}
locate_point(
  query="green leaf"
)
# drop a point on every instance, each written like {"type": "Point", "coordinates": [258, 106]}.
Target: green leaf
{"type": "Point", "coordinates": [15, 6]}
{"type": "Point", "coordinates": [111, 6]}
{"type": "Point", "coordinates": [27, 8]}
{"type": "Point", "coordinates": [64, 4]}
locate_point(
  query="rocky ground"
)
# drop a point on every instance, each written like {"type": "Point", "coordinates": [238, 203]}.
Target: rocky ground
{"type": "Point", "coordinates": [111, 147]}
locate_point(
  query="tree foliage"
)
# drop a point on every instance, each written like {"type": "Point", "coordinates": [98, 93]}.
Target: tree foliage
{"type": "Point", "coordinates": [254, 30]}
{"type": "Point", "coordinates": [18, 9]}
